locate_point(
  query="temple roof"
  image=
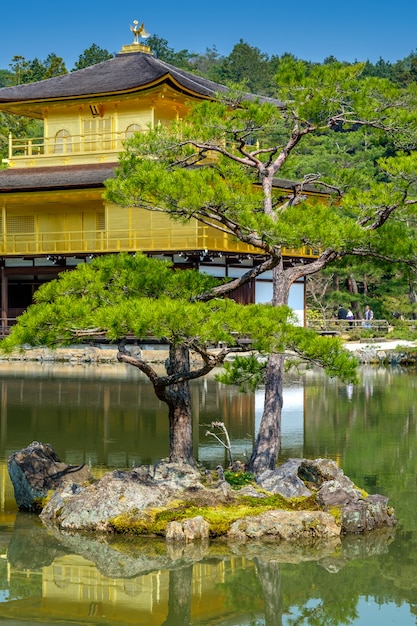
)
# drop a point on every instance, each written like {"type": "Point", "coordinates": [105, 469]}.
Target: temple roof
{"type": "Point", "coordinates": [54, 178]}
{"type": "Point", "coordinates": [125, 73]}
{"type": "Point", "coordinates": [87, 176]}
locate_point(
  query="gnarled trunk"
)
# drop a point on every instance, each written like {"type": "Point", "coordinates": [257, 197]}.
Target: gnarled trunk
{"type": "Point", "coordinates": [178, 398]}
{"type": "Point", "coordinates": [174, 390]}
{"type": "Point", "coordinates": [268, 440]}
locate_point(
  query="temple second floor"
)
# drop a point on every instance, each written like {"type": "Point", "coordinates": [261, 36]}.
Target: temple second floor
{"type": "Point", "coordinates": [82, 224]}
{"type": "Point", "coordinates": [94, 131]}
{"type": "Point", "coordinates": [62, 211]}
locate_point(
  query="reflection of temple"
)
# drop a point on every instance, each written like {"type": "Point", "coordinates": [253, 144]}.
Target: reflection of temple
{"type": "Point", "coordinates": [155, 584]}
{"type": "Point", "coordinates": [72, 588]}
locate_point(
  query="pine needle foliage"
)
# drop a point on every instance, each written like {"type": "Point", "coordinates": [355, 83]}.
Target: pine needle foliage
{"type": "Point", "coordinates": [119, 296]}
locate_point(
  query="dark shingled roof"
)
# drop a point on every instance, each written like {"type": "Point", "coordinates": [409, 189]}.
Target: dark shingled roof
{"type": "Point", "coordinates": [124, 73]}
{"type": "Point", "coordinates": [53, 178]}
{"type": "Point", "coordinates": [89, 176]}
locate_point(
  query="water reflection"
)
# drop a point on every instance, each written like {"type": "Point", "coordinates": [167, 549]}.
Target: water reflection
{"type": "Point", "coordinates": [108, 417]}
{"type": "Point", "coordinates": [151, 582]}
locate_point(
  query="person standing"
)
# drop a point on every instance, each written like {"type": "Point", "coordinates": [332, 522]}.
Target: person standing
{"type": "Point", "coordinates": [369, 315]}
{"type": "Point", "coordinates": [350, 317]}
{"type": "Point", "coordinates": [341, 313]}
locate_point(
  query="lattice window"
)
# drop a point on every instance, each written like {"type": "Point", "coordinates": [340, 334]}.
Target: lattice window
{"type": "Point", "coordinates": [19, 224]}
{"type": "Point", "coordinates": [97, 133]}
{"type": "Point", "coordinates": [100, 221]}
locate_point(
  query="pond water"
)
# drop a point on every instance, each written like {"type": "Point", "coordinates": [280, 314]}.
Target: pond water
{"type": "Point", "coordinates": [108, 417]}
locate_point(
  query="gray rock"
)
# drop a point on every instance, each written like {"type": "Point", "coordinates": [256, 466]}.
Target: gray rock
{"type": "Point", "coordinates": [381, 515]}
{"type": "Point", "coordinates": [319, 471]}
{"type": "Point", "coordinates": [188, 530]}
{"type": "Point", "coordinates": [126, 493]}
{"type": "Point", "coordinates": [251, 492]}
{"type": "Point", "coordinates": [359, 514]}
{"type": "Point", "coordinates": [79, 504]}
{"type": "Point", "coordinates": [286, 525]}
{"type": "Point", "coordinates": [335, 493]}
{"type": "Point", "coordinates": [177, 474]}
{"type": "Point", "coordinates": [284, 480]}
{"type": "Point", "coordinates": [37, 470]}
{"type": "Point", "coordinates": [354, 517]}
{"type": "Point", "coordinates": [116, 493]}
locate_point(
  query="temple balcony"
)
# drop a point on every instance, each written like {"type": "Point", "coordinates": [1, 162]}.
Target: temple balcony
{"type": "Point", "coordinates": [169, 239]}
{"type": "Point", "coordinates": [65, 150]}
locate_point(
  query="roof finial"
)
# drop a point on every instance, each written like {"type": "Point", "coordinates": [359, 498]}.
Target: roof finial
{"type": "Point", "coordinates": [138, 31]}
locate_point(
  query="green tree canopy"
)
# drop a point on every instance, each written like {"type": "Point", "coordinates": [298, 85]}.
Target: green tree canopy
{"type": "Point", "coordinates": [160, 48]}
{"type": "Point", "coordinates": [246, 64]}
{"type": "Point", "coordinates": [92, 55]}
{"type": "Point", "coordinates": [222, 164]}
{"type": "Point", "coordinates": [25, 71]}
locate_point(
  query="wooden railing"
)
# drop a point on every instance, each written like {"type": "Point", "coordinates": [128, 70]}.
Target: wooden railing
{"type": "Point", "coordinates": [335, 326]}
{"type": "Point", "coordinates": [72, 144]}
{"type": "Point", "coordinates": [162, 235]}
{"type": "Point", "coordinates": [6, 324]}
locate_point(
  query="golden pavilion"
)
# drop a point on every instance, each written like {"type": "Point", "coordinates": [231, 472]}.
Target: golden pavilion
{"type": "Point", "coordinates": [53, 214]}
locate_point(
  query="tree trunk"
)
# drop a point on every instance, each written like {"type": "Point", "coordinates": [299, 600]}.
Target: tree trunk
{"type": "Point", "coordinates": [353, 288]}
{"type": "Point", "coordinates": [174, 390]}
{"type": "Point", "coordinates": [178, 398]}
{"type": "Point", "coordinates": [365, 285]}
{"type": "Point", "coordinates": [268, 440]}
{"type": "Point", "coordinates": [412, 297]}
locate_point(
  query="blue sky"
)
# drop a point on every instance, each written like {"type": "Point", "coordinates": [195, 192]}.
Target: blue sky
{"type": "Point", "coordinates": [354, 30]}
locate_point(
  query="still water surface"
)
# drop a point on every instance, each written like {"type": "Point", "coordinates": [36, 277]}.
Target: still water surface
{"type": "Point", "coordinates": [108, 417]}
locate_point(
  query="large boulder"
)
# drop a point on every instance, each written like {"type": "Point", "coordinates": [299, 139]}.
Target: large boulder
{"type": "Point", "coordinates": [129, 493]}
{"type": "Point", "coordinates": [284, 480]}
{"type": "Point", "coordinates": [288, 525]}
{"type": "Point", "coordinates": [316, 472]}
{"type": "Point", "coordinates": [359, 512]}
{"type": "Point", "coordinates": [333, 491]}
{"type": "Point", "coordinates": [37, 470]}
{"type": "Point", "coordinates": [188, 530]}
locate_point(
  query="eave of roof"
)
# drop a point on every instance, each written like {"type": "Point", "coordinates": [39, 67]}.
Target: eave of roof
{"type": "Point", "coordinates": [15, 180]}
{"type": "Point", "coordinates": [121, 74]}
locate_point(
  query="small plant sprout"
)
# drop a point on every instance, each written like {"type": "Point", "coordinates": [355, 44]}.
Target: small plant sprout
{"type": "Point", "coordinates": [225, 442]}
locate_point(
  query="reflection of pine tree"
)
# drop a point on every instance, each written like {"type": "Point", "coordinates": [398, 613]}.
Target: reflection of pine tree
{"type": "Point", "coordinates": [179, 602]}
{"type": "Point", "coordinates": [269, 573]}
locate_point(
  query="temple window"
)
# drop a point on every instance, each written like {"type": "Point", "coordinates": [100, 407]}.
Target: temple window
{"type": "Point", "coordinates": [63, 143]}
{"type": "Point", "coordinates": [132, 129]}
{"type": "Point", "coordinates": [97, 133]}
{"type": "Point", "coordinates": [20, 224]}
